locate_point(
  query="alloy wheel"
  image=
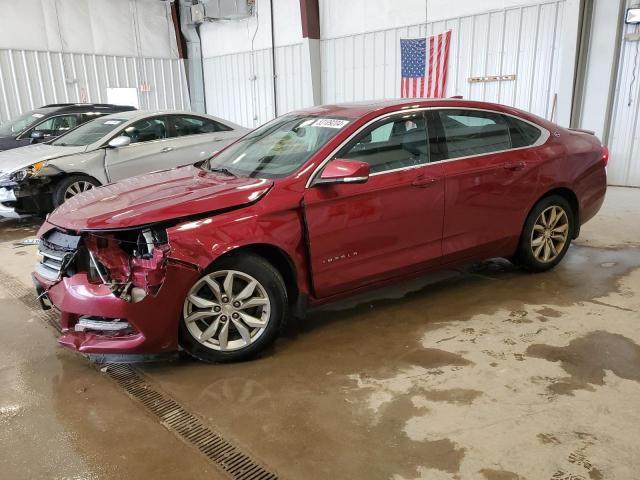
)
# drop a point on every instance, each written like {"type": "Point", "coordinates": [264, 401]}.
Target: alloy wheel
{"type": "Point", "coordinates": [550, 234]}
{"type": "Point", "coordinates": [77, 187]}
{"type": "Point", "coordinates": [227, 310]}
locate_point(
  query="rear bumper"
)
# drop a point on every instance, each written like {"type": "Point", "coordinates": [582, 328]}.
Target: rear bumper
{"type": "Point", "coordinates": [154, 320]}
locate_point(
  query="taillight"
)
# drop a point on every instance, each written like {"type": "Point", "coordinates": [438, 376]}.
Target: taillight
{"type": "Point", "coordinates": [605, 155]}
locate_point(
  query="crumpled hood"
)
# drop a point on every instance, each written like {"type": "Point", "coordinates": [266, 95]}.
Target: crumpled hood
{"type": "Point", "coordinates": [157, 197]}
{"type": "Point", "coordinates": [12, 160]}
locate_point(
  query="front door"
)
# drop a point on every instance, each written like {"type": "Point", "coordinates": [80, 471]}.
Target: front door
{"type": "Point", "coordinates": [151, 149]}
{"type": "Point", "coordinates": [390, 225]}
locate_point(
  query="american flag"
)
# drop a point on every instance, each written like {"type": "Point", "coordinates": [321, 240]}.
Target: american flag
{"type": "Point", "coordinates": [418, 78]}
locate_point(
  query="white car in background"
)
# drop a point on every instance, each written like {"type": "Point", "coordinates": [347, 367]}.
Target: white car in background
{"type": "Point", "coordinates": [38, 178]}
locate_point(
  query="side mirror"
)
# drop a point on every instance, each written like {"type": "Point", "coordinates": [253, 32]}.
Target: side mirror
{"type": "Point", "coordinates": [343, 171]}
{"type": "Point", "coordinates": [121, 141]}
{"type": "Point", "coordinates": [36, 136]}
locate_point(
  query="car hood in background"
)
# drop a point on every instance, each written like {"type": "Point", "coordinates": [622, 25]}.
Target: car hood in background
{"type": "Point", "coordinates": [12, 160]}
{"type": "Point", "coordinates": [157, 197]}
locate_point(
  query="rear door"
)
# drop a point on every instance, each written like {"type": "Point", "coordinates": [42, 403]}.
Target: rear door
{"type": "Point", "coordinates": [197, 138]}
{"type": "Point", "coordinates": [490, 181]}
{"type": "Point", "coordinates": [390, 225]}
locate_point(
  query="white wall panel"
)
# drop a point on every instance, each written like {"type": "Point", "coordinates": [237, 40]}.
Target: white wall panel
{"type": "Point", "coordinates": [624, 135]}
{"type": "Point", "coordinates": [523, 41]}
{"type": "Point", "coordinates": [114, 27]}
{"type": "Point", "coordinates": [29, 79]}
{"type": "Point", "coordinates": [239, 86]}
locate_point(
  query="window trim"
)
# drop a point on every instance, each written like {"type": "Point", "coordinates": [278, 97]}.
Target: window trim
{"type": "Point", "coordinates": [544, 137]}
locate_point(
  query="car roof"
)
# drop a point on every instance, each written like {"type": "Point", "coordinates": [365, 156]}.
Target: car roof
{"type": "Point", "coordinates": [84, 107]}
{"type": "Point", "coordinates": [138, 114]}
{"type": "Point", "coordinates": [359, 109]}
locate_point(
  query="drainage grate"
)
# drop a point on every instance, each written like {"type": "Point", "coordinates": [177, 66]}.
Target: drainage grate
{"type": "Point", "coordinates": [237, 464]}
{"type": "Point", "coordinates": [176, 419]}
{"type": "Point", "coordinates": [27, 296]}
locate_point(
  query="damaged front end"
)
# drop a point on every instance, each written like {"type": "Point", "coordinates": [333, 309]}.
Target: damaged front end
{"type": "Point", "coordinates": [132, 264]}
{"type": "Point", "coordinates": [118, 292]}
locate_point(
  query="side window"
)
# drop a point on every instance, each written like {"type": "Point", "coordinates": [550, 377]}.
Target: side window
{"type": "Point", "coordinates": [523, 134]}
{"type": "Point", "coordinates": [146, 130]}
{"type": "Point", "coordinates": [55, 126]}
{"type": "Point", "coordinates": [470, 132]}
{"type": "Point", "coordinates": [185, 125]}
{"type": "Point", "coordinates": [390, 144]}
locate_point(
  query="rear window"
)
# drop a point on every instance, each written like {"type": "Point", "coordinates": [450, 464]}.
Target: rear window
{"type": "Point", "coordinates": [471, 132]}
{"type": "Point", "coordinates": [478, 132]}
{"type": "Point", "coordinates": [523, 134]}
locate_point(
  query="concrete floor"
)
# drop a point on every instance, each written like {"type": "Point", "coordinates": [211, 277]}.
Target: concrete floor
{"type": "Point", "coordinates": [484, 373]}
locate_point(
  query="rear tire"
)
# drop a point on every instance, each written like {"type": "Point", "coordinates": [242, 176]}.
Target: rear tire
{"type": "Point", "coordinates": [71, 186]}
{"type": "Point", "coordinates": [547, 234]}
{"type": "Point", "coordinates": [233, 311]}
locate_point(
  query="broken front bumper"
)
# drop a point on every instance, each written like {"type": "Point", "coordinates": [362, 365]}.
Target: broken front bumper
{"type": "Point", "coordinates": [154, 320]}
{"type": "Point", "coordinates": [7, 203]}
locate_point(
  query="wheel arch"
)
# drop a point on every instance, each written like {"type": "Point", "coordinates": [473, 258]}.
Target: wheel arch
{"type": "Point", "coordinates": [64, 175]}
{"type": "Point", "coordinates": [276, 256]}
{"type": "Point", "coordinates": [570, 196]}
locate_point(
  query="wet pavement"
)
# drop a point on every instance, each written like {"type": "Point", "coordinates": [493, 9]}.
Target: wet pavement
{"type": "Point", "coordinates": [483, 373]}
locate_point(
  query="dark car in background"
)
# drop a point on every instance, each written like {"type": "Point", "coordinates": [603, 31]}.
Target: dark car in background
{"type": "Point", "coordinates": [50, 121]}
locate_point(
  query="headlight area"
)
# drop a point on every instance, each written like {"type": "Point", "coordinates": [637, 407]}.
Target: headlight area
{"type": "Point", "coordinates": [131, 263]}
{"type": "Point", "coordinates": [40, 169]}
{"type": "Point", "coordinates": [32, 187]}
{"type": "Point", "coordinates": [118, 292]}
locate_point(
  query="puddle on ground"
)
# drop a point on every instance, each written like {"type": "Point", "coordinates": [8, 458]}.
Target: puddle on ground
{"type": "Point", "coordinates": [305, 380]}
{"type": "Point", "coordinates": [585, 359]}
{"type": "Point", "coordinates": [491, 474]}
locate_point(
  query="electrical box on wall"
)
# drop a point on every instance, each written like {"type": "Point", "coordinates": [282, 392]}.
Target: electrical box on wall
{"type": "Point", "coordinates": [211, 10]}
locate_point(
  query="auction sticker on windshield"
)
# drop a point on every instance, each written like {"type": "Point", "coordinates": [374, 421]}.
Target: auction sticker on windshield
{"type": "Point", "coordinates": [112, 122]}
{"type": "Point", "coordinates": [329, 123]}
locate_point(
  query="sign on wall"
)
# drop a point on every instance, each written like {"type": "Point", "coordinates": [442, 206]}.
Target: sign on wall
{"type": "Point", "coordinates": [123, 96]}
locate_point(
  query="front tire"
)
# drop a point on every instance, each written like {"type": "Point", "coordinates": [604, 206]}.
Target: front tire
{"type": "Point", "coordinates": [233, 311]}
{"type": "Point", "coordinates": [547, 234]}
{"type": "Point", "coordinates": [71, 186]}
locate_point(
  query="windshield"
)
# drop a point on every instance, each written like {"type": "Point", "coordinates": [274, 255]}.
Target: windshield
{"type": "Point", "coordinates": [17, 125]}
{"type": "Point", "coordinates": [88, 133]}
{"type": "Point", "coordinates": [278, 148]}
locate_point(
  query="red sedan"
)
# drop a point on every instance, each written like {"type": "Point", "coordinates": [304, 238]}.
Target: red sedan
{"type": "Point", "coordinates": [312, 206]}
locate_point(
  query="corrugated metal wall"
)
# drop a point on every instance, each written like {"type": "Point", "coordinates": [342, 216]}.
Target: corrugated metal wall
{"type": "Point", "coordinates": [624, 133]}
{"type": "Point", "coordinates": [239, 86]}
{"type": "Point", "coordinates": [522, 41]}
{"type": "Point", "coordinates": [29, 79]}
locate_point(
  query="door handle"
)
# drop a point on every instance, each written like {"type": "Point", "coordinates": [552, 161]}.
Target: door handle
{"type": "Point", "coordinates": [514, 166]}
{"type": "Point", "coordinates": [424, 181]}
{"type": "Point", "coordinates": [166, 149]}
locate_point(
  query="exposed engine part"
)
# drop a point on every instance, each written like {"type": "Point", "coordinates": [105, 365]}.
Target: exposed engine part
{"type": "Point", "coordinates": [96, 266]}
